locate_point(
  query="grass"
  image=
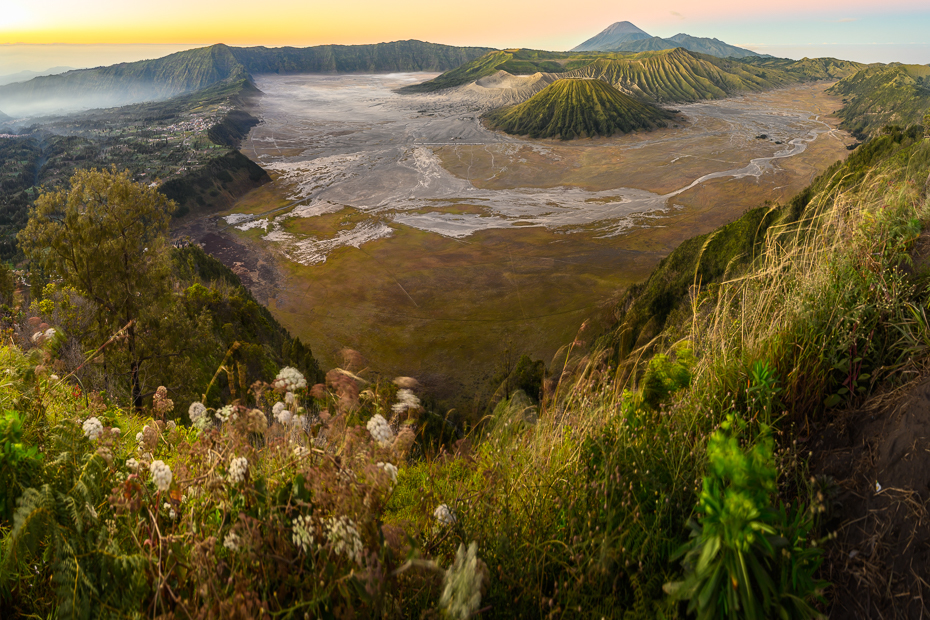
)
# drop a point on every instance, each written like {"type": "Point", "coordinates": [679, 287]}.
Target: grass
{"type": "Point", "coordinates": [576, 108]}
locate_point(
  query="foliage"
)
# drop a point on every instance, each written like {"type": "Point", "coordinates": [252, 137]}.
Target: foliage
{"type": "Point", "coordinates": [107, 238]}
{"type": "Point", "coordinates": [746, 559]}
{"type": "Point", "coordinates": [18, 461]}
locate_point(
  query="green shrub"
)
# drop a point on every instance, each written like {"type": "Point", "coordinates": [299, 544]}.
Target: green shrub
{"type": "Point", "coordinates": [747, 559]}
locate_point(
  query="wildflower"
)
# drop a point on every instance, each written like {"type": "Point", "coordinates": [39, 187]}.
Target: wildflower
{"type": "Point", "coordinates": [406, 400]}
{"type": "Point", "coordinates": [461, 594]}
{"type": "Point", "coordinates": [444, 515]}
{"type": "Point", "coordinates": [49, 333]}
{"type": "Point", "coordinates": [224, 414]}
{"type": "Point", "coordinates": [170, 509]}
{"type": "Point", "coordinates": [139, 437]}
{"type": "Point", "coordinates": [171, 425]}
{"type": "Point", "coordinates": [289, 399]}
{"type": "Point", "coordinates": [196, 411]}
{"type": "Point", "coordinates": [115, 431]}
{"type": "Point", "coordinates": [290, 379]}
{"type": "Point", "coordinates": [161, 402]}
{"type": "Point", "coordinates": [133, 465]}
{"type": "Point", "coordinates": [391, 471]}
{"type": "Point", "coordinates": [380, 430]}
{"type": "Point", "coordinates": [238, 468]}
{"type": "Point", "coordinates": [256, 421]}
{"type": "Point", "coordinates": [53, 378]}
{"type": "Point", "coordinates": [231, 541]}
{"type": "Point", "coordinates": [92, 428]}
{"type": "Point", "coordinates": [302, 533]}
{"type": "Point", "coordinates": [161, 475]}
{"type": "Point", "coordinates": [301, 452]}
{"type": "Point", "coordinates": [344, 537]}
{"type": "Point", "coordinates": [281, 413]}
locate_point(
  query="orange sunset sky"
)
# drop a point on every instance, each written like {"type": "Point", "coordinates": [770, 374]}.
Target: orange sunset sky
{"type": "Point", "coordinates": [541, 24]}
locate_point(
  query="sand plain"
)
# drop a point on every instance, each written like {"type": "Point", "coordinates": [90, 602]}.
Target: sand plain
{"type": "Point", "coordinates": [403, 228]}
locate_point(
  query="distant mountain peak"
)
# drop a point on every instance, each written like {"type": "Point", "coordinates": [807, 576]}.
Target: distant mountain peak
{"type": "Point", "coordinates": [624, 28]}
{"type": "Point", "coordinates": [614, 35]}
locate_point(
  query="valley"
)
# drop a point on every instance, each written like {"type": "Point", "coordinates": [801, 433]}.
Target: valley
{"type": "Point", "coordinates": [393, 217]}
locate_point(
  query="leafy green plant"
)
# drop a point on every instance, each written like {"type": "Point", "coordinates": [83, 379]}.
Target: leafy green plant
{"type": "Point", "coordinates": [747, 559]}
{"type": "Point", "coordinates": [16, 459]}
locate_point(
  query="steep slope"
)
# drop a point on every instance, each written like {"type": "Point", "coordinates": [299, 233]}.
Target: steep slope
{"type": "Point", "coordinates": [663, 76]}
{"type": "Point", "coordinates": [381, 57]}
{"type": "Point", "coordinates": [577, 108]}
{"type": "Point", "coordinates": [193, 70]}
{"type": "Point", "coordinates": [513, 61]}
{"type": "Point", "coordinates": [123, 83]}
{"type": "Point", "coordinates": [625, 37]}
{"type": "Point", "coordinates": [4, 117]}
{"type": "Point", "coordinates": [611, 37]}
{"type": "Point", "coordinates": [680, 75]}
{"type": "Point", "coordinates": [809, 69]}
{"type": "Point", "coordinates": [712, 46]}
{"type": "Point", "coordinates": [882, 95]}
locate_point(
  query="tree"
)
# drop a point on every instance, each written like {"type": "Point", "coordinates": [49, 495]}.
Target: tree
{"type": "Point", "coordinates": [107, 237]}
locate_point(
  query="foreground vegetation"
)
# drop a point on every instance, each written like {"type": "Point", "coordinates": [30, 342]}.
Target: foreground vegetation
{"type": "Point", "coordinates": [659, 475]}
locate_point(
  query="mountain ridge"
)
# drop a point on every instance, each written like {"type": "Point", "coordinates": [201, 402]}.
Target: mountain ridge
{"type": "Point", "coordinates": [626, 37]}
{"type": "Point", "coordinates": [192, 70]}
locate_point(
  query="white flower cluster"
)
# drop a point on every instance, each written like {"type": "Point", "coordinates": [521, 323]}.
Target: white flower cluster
{"type": "Point", "coordinates": [170, 510]}
{"type": "Point", "coordinates": [301, 452]}
{"type": "Point", "coordinates": [133, 465]}
{"type": "Point", "coordinates": [48, 334]}
{"type": "Point", "coordinates": [281, 413]}
{"type": "Point", "coordinates": [343, 535]}
{"type": "Point", "coordinates": [238, 468]}
{"type": "Point", "coordinates": [291, 378]}
{"type": "Point", "coordinates": [380, 430]}
{"type": "Point", "coordinates": [391, 470]}
{"type": "Point", "coordinates": [302, 533]}
{"type": "Point", "coordinates": [225, 413]}
{"type": "Point", "coordinates": [444, 515]}
{"type": "Point", "coordinates": [461, 596]}
{"type": "Point", "coordinates": [231, 541]}
{"type": "Point", "coordinates": [198, 415]}
{"type": "Point", "coordinates": [92, 428]}
{"type": "Point", "coordinates": [161, 475]}
{"type": "Point", "coordinates": [406, 400]}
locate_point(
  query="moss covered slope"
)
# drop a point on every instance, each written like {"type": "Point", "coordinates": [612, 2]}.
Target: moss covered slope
{"type": "Point", "coordinates": [577, 108]}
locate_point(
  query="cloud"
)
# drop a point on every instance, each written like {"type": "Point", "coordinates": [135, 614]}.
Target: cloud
{"type": "Point", "coordinates": [677, 14]}
{"type": "Point", "coordinates": [847, 20]}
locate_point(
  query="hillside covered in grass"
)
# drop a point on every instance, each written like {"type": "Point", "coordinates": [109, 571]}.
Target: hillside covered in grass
{"type": "Point", "coordinates": [882, 95]}
{"type": "Point", "coordinates": [577, 108]}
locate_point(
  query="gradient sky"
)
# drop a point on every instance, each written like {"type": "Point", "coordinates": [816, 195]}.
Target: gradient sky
{"type": "Point", "coordinates": [515, 23]}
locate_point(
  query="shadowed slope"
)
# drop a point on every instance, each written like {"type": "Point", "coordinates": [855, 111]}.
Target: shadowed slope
{"type": "Point", "coordinates": [577, 108]}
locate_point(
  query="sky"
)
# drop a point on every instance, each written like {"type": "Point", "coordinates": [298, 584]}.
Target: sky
{"type": "Point", "coordinates": [38, 34]}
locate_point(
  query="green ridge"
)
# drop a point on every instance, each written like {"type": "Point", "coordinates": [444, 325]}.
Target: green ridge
{"type": "Point", "coordinates": [809, 69]}
{"type": "Point", "coordinates": [663, 76]}
{"type": "Point", "coordinates": [577, 108]}
{"type": "Point", "coordinates": [882, 95]}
